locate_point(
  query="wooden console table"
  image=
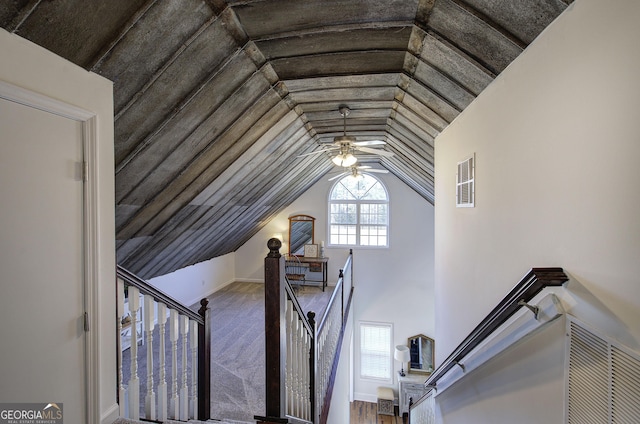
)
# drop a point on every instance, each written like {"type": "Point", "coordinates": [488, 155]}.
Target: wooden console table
{"type": "Point", "coordinates": [322, 261]}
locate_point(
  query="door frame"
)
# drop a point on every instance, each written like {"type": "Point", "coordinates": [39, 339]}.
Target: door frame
{"type": "Point", "coordinates": [90, 229]}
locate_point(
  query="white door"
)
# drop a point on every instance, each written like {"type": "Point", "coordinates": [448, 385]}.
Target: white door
{"type": "Point", "coordinates": [42, 349]}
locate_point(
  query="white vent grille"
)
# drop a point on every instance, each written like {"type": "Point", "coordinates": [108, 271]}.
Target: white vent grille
{"type": "Point", "coordinates": [465, 187]}
{"type": "Point", "coordinates": [625, 392]}
{"type": "Point", "coordinates": [603, 380]}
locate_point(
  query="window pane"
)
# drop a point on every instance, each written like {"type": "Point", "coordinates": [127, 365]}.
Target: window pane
{"type": "Point", "coordinates": [375, 192]}
{"type": "Point", "coordinates": [342, 234]}
{"type": "Point", "coordinates": [373, 213]}
{"type": "Point", "coordinates": [372, 235]}
{"type": "Point", "coordinates": [342, 192]}
{"type": "Point", "coordinates": [375, 351]}
{"type": "Point", "coordinates": [343, 213]}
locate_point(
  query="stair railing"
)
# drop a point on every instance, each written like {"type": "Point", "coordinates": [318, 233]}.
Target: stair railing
{"type": "Point", "coordinates": [329, 338]}
{"type": "Point", "coordinates": [185, 394]}
{"type": "Point", "coordinates": [301, 360]}
{"type": "Point", "coordinates": [536, 280]}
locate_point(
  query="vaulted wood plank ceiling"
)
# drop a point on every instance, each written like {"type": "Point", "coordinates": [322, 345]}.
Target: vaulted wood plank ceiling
{"type": "Point", "coordinates": [216, 100]}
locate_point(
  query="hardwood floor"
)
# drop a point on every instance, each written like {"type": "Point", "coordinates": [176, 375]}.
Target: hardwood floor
{"type": "Point", "coordinates": [366, 413]}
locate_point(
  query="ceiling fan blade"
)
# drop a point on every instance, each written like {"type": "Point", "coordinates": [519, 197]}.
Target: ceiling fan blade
{"type": "Point", "coordinates": [370, 143]}
{"type": "Point", "coordinates": [342, 174]}
{"type": "Point", "coordinates": [375, 151]}
{"type": "Point", "coordinates": [363, 167]}
{"type": "Point", "coordinates": [379, 171]}
{"type": "Point", "coordinates": [316, 152]}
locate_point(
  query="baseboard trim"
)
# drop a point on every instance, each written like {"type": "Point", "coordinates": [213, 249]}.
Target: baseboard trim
{"type": "Point", "coordinates": [110, 415]}
{"type": "Point", "coordinates": [365, 397]}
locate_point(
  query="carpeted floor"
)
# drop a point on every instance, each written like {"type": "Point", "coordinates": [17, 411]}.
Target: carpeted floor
{"type": "Point", "coordinates": [237, 357]}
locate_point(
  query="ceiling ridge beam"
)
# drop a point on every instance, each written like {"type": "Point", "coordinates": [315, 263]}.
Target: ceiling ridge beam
{"type": "Point", "coordinates": [335, 28]}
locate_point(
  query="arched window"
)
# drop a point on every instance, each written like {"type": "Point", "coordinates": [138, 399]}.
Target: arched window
{"type": "Point", "coordinates": [359, 212]}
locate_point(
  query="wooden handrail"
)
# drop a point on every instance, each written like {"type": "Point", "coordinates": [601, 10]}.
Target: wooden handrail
{"type": "Point", "coordinates": [296, 305]}
{"type": "Point", "coordinates": [324, 411]}
{"type": "Point", "coordinates": [277, 290]}
{"type": "Point", "coordinates": [530, 285]}
{"type": "Point", "coordinates": [336, 292]}
{"type": "Point", "coordinates": [132, 279]}
{"type": "Point", "coordinates": [202, 317]}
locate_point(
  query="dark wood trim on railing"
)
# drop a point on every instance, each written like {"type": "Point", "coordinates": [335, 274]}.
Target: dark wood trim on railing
{"type": "Point", "coordinates": [336, 293]}
{"type": "Point", "coordinates": [145, 288]}
{"type": "Point", "coordinates": [202, 317]}
{"type": "Point", "coordinates": [298, 308]}
{"type": "Point", "coordinates": [530, 285]}
{"type": "Point", "coordinates": [324, 413]}
{"type": "Point", "coordinates": [277, 289]}
{"type": "Point", "coordinates": [274, 328]}
{"type": "Point", "coordinates": [204, 362]}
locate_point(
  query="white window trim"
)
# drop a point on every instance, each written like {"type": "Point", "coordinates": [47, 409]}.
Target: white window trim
{"type": "Point", "coordinates": [358, 224]}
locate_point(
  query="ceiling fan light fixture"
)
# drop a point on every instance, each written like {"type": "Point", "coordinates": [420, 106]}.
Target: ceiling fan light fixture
{"type": "Point", "coordinates": [344, 160]}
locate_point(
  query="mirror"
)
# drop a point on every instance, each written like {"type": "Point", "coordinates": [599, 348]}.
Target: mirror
{"type": "Point", "coordinates": [421, 350]}
{"type": "Point", "coordinates": [301, 229]}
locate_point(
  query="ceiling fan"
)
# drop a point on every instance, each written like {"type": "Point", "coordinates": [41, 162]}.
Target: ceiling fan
{"type": "Point", "coordinates": [355, 172]}
{"type": "Point", "coordinates": [347, 145]}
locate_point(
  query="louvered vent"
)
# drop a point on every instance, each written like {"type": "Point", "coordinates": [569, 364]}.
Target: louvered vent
{"type": "Point", "coordinates": [465, 187]}
{"type": "Point", "coordinates": [625, 392]}
{"type": "Point", "coordinates": [603, 380]}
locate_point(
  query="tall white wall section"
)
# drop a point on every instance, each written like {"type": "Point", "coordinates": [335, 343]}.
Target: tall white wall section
{"type": "Point", "coordinates": [557, 144]}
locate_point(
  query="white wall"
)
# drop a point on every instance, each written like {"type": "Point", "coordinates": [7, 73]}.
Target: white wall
{"type": "Point", "coordinates": [340, 410]}
{"type": "Point", "coordinates": [189, 285]}
{"type": "Point", "coordinates": [393, 285]}
{"type": "Point", "coordinates": [556, 142]}
{"type": "Point", "coordinates": [26, 65]}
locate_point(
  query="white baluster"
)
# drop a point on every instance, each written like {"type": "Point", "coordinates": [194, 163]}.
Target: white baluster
{"type": "Point", "coordinates": [300, 366]}
{"type": "Point", "coordinates": [174, 406]}
{"type": "Point", "coordinates": [149, 324]}
{"type": "Point", "coordinates": [184, 390]}
{"type": "Point", "coordinates": [134, 383]}
{"type": "Point", "coordinates": [193, 401]}
{"type": "Point", "coordinates": [162, 383]}
{"type": "Point", "coordinates": [120, 315]}
{"type": "Point", "coordinates": [305, 367]}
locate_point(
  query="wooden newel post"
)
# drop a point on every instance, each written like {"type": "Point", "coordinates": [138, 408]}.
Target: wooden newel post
{"type": "Point", "coordinates": [274, 326]}
{"type": "Point", "coordinates": [313, 369]}
{"type": "Point", "coordinates": [204, 362]}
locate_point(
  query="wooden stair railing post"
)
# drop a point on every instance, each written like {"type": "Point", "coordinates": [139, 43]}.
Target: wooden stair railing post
{"type": "Point", "coordinates": [204, 362]}
{"type": "Point", "coordinates": [274, 329]}
{"type": "Point", "coordinates": [313, 364]}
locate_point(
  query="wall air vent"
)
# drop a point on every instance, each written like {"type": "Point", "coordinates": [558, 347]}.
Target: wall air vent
{"type": "Point", "coordinates": [465, 183]}
{"type": "Point", "coordinates": [603, 379]}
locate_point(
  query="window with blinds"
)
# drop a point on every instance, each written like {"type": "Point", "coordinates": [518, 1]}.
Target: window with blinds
{"type": "Point", "coordinates": [375, 350]}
